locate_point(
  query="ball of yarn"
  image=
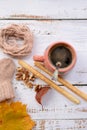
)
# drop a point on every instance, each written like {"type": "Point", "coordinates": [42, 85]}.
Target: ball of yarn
{"type": "Point", "coordinates": [16, 40]}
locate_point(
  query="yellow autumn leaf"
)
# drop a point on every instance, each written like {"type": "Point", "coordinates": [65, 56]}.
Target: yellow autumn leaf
{"type": "Point", "coordinates": [15, 117]}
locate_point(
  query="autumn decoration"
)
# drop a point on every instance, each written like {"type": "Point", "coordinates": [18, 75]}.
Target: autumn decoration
{"type": "Point", "coordinates": [14, 116]}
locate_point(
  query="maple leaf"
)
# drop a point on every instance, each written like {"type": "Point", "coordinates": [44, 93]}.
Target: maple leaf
{"type": "Point", "coordinates": [15, 117]}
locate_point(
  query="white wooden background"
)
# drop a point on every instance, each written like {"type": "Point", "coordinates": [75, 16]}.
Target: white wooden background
{"type": "Point", "coordinates": [50, 21]}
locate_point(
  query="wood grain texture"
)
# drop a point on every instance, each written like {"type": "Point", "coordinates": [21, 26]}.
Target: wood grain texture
{"type": "Point", "coordinates": [47, 32]}
{"type": "Point", "coordinates": [61, 125]}
{"type": "Point", "coordinates": [57, 106]}
{"type": "Point", "coordinates": [50, 21]}
{"type": "Point", "coordinates": [58, 112]}
{"type": "Point", "coordinates": [43, 9]}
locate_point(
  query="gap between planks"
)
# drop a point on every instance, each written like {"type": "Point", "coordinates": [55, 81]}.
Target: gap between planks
{"type": "Point", "coordinates": [44, 19]}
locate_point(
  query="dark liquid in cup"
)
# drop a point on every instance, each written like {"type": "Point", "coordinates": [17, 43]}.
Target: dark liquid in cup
{"type": "Point", "coordinates": [60, 54]}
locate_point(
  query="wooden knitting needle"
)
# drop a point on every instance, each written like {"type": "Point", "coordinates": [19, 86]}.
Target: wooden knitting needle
{"type": "Point", "coordinates": [48, 81]}
{"type": "Point", "coordinates": [64, 82]}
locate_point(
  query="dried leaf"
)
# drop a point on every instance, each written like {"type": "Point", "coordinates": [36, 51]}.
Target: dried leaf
{"type": "Point", "coordinates": [15, 117]}
{"type": "Point", "coordinates": [40, 92]}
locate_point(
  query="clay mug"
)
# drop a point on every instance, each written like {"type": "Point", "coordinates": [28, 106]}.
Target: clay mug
{"type": "Point", "coordinates": [58, 52]}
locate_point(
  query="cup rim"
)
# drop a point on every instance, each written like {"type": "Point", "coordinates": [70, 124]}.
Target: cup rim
{"type": "Point", "coordinates": [72, 50]}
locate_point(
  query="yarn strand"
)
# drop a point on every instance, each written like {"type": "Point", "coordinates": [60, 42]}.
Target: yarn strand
{"type": "Point", "coordinates": [10, 38]}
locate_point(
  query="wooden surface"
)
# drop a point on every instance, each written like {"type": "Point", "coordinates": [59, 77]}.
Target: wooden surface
{"type": "Point", "coordinates": [50, 21]}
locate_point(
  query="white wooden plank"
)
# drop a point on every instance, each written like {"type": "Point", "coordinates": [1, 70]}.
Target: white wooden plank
{"type": "Point", "coordinates": [61, 125]}
{"type": "Point", "coordinates": [47, 32]}
{"type": "Point", "coordinates": [37, 9]}
{"type": "Point", "coordinates": [55, 105]}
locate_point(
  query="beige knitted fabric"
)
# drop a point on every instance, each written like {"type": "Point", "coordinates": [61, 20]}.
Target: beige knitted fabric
{"type": "Point", "coordinates": [7, 69]}
{"type": "Point", "coordinates": [16, 40]}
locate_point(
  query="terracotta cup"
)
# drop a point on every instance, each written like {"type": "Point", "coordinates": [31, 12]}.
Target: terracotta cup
{"type": "Point", "coordinates": [56, 52]}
